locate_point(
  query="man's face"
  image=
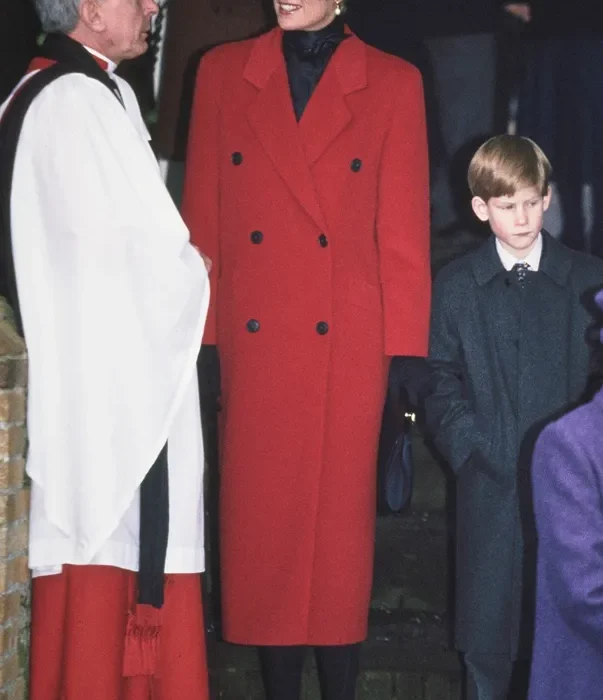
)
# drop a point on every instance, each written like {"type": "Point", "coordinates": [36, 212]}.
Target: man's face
{"type": "Point", "coordinates": [126, 24]}
{"type": "Point", "coordinates": [517, 220]}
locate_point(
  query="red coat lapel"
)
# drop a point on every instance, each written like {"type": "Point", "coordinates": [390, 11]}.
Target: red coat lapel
{"type": "Point", "coordinates": [327, 113]}
{"type": "Point", "coordinates": [294, 148]}
{"type": "Point", "coordinates": [272, 119]}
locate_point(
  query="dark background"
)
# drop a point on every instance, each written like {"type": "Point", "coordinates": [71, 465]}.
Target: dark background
{"type": "Point", "coordinates": [19, 28]}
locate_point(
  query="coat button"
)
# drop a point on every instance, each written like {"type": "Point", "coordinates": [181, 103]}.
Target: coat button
{"type": "Point", "coordinates": [257, 237]}
{"type": "Point", "coordinates": [323, 240]}
{"type": "Point", "coordinates": [356, 164]}
{"type": "Point", "coordinates": [253, 326]}
{"type": "Point", "coordinates": [322, 328]}
{"type": "Point", "coordinates": [237, 158]}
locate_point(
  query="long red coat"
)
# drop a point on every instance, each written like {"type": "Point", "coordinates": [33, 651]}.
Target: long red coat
{"type": "Point", "coordinates": [319, 236]}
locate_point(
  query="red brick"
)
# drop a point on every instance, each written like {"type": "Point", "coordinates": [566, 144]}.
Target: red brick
{"type": "Point", "coordinates": [11, 343]}
{"type": "Point", "coordinates": [17, 538]}
{"type": "Point", "coordinates": [18, 571]}
{"type": "Point", "coordinates": [13, 373]}
{"type": "Point", "coordinates": [14, 506]}
{"type": "Point", "coordinates": [12, 406]}
{"type": "Point", "coordinates": [9, 639]}
{"type": "Point", "coordinates": [18, 691]}
{"type": "Point", "coordinates": [12, 474]}
{"type": "Point", "coordinates": [12, 441]}
{"type": "Point", "coordinates": [9, 670]}
{"type": "Point", "coordinates": [20, 373]}
{"type": "Point", "coordinates": [16, 473]}
{"type": "Point", "coordinates": [20, 506]}
{"type": "Point", "coordinates": [10, 606]}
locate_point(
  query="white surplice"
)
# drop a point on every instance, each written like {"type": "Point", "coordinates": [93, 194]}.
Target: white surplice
{"type": "Point", "coordinates": [113, 299]}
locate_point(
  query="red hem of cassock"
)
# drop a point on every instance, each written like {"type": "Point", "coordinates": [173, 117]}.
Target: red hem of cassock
{"type": "Point", "coordinates": [79, 620]}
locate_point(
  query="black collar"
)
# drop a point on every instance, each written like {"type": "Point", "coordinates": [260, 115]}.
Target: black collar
{"type": "Point", "coordinates": [63, 49]}
{"type": "Point", "coordinates": [308, 45]}
{"type": "Point", "coordinates": [555, 262]}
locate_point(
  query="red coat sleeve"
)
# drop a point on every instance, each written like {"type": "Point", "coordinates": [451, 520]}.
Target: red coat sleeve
{"type": "Point", "coordinates": [403, 224]}
{"type": "Point", "coordinates": [200, 199]}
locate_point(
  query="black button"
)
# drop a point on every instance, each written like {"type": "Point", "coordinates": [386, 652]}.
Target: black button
{"type": "Point", "coordinates": [237, 158]}
{"type": "Point", "coordinates": [257, 237]}
{"type": "Point", "coordinates": [322, 328]}
{"type": "Point", "coordinates": [356, 164]}
{"type": "Point", "coordinates": [323, 240]}
{"type": "Point", "coordinates": [253, 326]}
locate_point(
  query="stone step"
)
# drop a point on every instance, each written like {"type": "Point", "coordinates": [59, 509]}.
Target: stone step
{"type": "Point", "coordinates": [231, 684]}
{"type": "Point", "coordinates": [416, 643]}
{"type": "Point", "coordinates": [407, 655]}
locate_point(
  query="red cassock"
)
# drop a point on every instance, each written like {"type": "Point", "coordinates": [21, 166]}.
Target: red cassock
{"type": "Point", "coordinates": [78, 633]}
{"type": "Point", "coordinates": [319, 236]}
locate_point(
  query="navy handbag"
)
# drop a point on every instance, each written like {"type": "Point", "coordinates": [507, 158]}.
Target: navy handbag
{"type": "Point", "coordinates": [395, 471]}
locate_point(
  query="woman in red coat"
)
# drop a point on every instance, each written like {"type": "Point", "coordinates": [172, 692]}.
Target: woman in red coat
{"type": "Point", "coordinates": [307, 186]}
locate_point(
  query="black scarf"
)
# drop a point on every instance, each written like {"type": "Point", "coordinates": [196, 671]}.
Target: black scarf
{"type": "Point", "coordinates": [154, 495]}
{"type": "Point", "coordinates": [307, 55]}
{"type": "Point", "coordinates": [63, 49]}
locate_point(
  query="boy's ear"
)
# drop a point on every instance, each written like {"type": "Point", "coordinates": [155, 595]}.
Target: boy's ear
{"type": "Point", "coordinates": [480, 208]}
{"type": "Point", "coordinates": [546, 200]}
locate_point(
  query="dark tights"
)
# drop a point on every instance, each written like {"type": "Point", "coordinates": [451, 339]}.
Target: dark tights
{"type": "Point", "coordinates": [282, 669]}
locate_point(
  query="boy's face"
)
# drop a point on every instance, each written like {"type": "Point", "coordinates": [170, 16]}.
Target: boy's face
{"type": "Point", "coordinates": [517, 220]}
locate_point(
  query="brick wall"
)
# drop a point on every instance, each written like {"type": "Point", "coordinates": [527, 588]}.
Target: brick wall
{"type": "Point", "coordinates": [14, 503]}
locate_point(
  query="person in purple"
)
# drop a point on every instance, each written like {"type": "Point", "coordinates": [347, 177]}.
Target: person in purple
{"type": "Point", "coordinates": [567, 477]}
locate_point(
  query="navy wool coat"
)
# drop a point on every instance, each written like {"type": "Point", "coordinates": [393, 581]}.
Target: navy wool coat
{"type": "Point", "coordinates": [505, 359]}
{"type": "Point", "coordinates": [568, 503]}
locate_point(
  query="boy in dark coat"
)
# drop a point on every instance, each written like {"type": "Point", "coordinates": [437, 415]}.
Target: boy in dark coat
{"type": "Point", "coordinates": [507, 352]}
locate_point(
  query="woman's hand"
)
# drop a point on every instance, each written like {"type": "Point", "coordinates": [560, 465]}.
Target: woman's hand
{"type": "Point", "coordinates": [521, 10]}
{"type": "Point", "coordinates": [206, 260]}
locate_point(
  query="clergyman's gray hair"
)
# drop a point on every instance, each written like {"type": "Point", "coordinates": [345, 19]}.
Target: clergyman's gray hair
{"type": "Point", "coordinates": [58, 15]}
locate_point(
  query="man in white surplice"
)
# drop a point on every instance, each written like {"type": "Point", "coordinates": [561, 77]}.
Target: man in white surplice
{"type": "Point", "coordinates": [113, 300]}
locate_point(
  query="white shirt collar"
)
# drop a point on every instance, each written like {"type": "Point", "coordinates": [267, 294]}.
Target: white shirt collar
{"type": "Point", "coordinates": [111, 66]}
{"type": "Point", "coordinates": [533, 257]}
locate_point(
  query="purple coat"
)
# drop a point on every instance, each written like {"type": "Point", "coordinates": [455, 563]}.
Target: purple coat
{"type": "Point", "coordinates": [568, 501]}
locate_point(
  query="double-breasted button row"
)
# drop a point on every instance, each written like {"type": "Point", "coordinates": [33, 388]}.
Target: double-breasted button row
{"type": "Point", "coordinates": [256, 237]}
{"type": "Point", "coordinates": [237, 159]}
{"type": "Point", "coordinates": [253, 326]}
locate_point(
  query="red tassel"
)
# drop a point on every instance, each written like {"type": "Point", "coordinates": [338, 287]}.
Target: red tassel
{"type": "Point", "coordinates": [143, 634]}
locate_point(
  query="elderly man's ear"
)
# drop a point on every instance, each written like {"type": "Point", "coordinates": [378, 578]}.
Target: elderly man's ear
{"type": "Point", "coordinates": [91, 15]}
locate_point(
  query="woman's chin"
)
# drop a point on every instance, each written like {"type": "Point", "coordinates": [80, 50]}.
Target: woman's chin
{"type": "Point", "coordinates": [288, 23]}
